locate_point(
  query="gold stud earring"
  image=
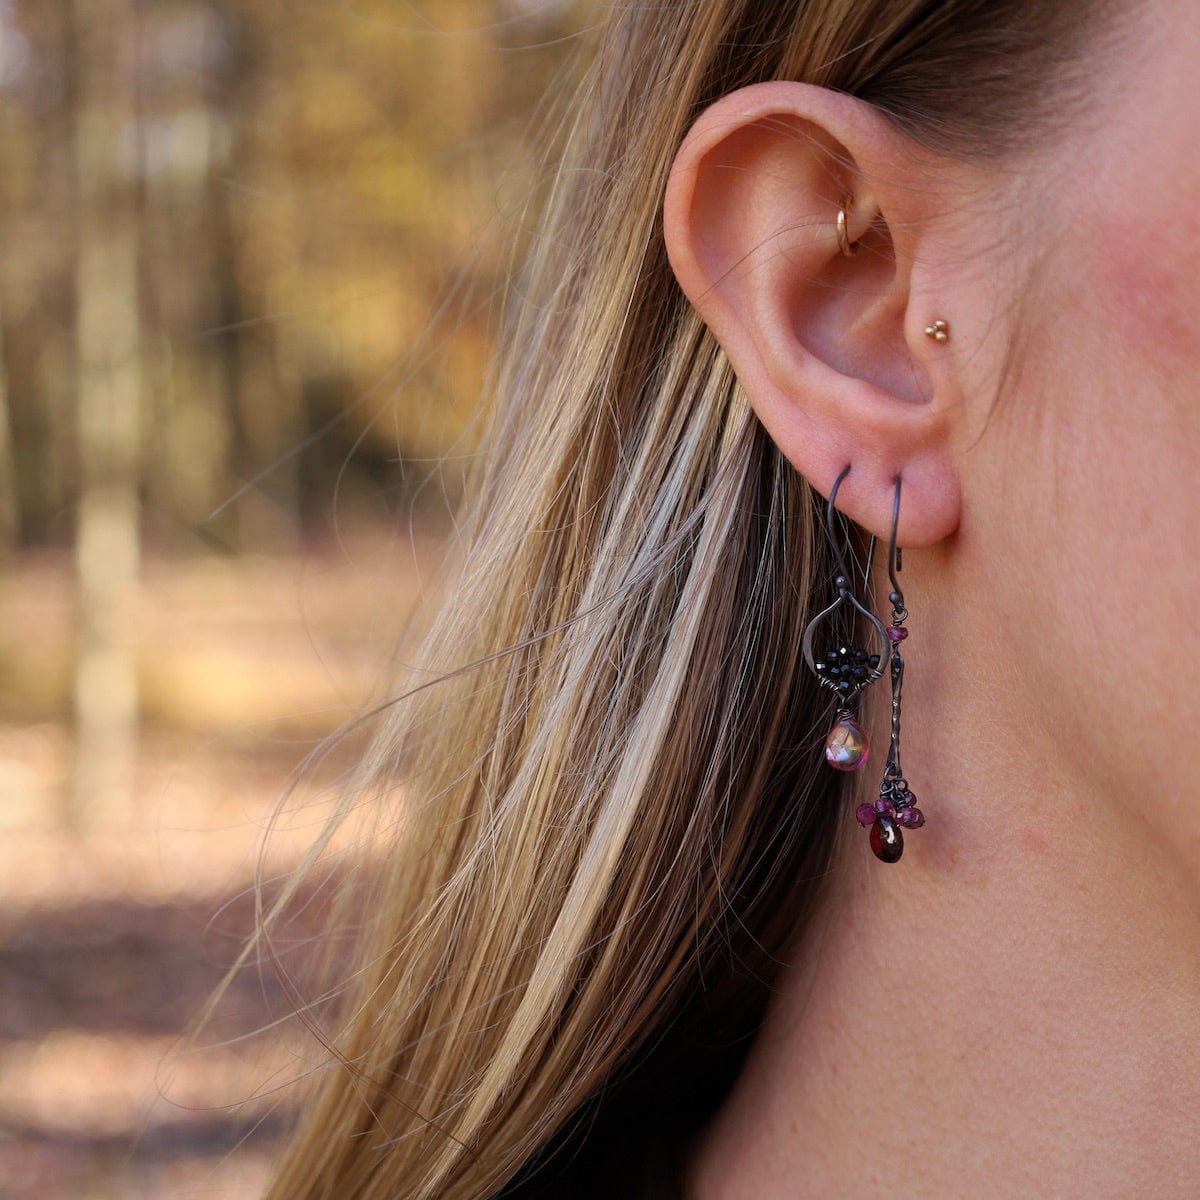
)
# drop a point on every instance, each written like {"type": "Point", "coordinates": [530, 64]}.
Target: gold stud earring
{"type": "Point", "coordinates": [843, 235]}
{"type": "Point", "coordinates": [939, 331]}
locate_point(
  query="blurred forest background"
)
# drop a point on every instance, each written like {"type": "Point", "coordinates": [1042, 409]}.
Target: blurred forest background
{"type": "Point", "coordinates": [253, 254]}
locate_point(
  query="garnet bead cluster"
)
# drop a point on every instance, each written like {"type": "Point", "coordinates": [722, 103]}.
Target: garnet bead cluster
{"type": "Point", "coordinates": [895, 809]}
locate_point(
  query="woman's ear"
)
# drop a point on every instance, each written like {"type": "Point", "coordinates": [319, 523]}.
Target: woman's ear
{"type": "Point", "coordinates": [825, 330]}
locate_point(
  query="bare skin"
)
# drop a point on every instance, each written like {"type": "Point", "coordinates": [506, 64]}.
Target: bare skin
{"type": "Point", "coordinates": [1010, 1011]}
{"type": "Point", "coordinates": [1013, 1010]}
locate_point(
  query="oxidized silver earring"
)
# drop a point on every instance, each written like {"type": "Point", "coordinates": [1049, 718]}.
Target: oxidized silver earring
{"type": "Point", "coordinates": [845, 668]}
{"type": "Point", "coordinates": [896, 809]}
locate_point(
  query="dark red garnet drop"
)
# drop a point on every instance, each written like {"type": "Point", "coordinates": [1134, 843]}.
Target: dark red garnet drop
{"type": "Point", "coordinates": [887, 841]}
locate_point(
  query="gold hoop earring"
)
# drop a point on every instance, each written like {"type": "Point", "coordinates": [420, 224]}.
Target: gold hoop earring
{"type": "Point", "coordinates": [843, 235]}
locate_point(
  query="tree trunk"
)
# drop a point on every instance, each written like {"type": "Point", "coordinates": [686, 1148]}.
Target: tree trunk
{"type": "Point", "coordinates": [10, 523]}
{"type": "Point", "coordinates": [108, 335]}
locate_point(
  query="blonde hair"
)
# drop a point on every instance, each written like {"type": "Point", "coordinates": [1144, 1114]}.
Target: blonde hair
{"type": "Point", "coordinates": [611, 816]}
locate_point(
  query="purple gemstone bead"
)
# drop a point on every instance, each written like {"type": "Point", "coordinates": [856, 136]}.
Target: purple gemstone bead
{"type": "Point", "coordinates": [897, 633]}
{"type": "Point", "coordinates": [916, 818]}
{"type": "Point", "coordinates": [884, 808]}
{"type": "Point", "coordinates": [865, 814]}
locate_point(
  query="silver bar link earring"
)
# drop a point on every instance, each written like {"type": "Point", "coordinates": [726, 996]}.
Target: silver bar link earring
{"type": "Point", "coordinates": [896, 809]}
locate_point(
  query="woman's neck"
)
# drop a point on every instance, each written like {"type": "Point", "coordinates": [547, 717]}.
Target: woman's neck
{"type": "Point", "coordinates": [1011, 1010]}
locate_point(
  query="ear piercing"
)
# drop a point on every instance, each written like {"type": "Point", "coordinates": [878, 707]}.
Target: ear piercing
{"type": "Point", "coordinates": [843, 235]}
{"type": "Point", "coordinates": [939, 331]}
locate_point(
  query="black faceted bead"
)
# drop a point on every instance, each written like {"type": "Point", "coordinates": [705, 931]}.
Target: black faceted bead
{"type": "Point", "coordinates": [874, 661]}
{"type": "Point", "coordinates": [845, 686]}
{"type": "Point", "coordinates": [832, 656]}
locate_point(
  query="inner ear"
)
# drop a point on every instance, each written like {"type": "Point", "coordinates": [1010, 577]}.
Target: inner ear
{"type": "Point", "coordinates": [850, 313]}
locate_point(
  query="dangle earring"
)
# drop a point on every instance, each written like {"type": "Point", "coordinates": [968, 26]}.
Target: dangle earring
{"type": "Point", "coordinates": [896, 809]}
{"type": "Point", "coordinates": [843, 668]}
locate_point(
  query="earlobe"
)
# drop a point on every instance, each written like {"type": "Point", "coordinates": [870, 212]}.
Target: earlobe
{"type": "Point", "coordinates": [828, 345]}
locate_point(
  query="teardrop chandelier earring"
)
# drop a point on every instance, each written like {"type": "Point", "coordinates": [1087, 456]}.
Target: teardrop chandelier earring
{"type": "Point", "coordinates": [896, 809]}
{"type": "Point", "coordinates": [844, 668]}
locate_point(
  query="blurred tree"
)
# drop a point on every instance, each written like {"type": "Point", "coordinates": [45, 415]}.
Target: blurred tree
{"type": "Point", "coordinates": [108, 397]}
{"type": "Point", "coordinates": [253, 254]}
{"type": "Point", "coordinates": [9, 512]}
{"type": "Point", "coordinates": [329, 198]}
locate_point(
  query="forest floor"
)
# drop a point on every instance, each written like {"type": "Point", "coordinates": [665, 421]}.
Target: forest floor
{"type": "Point", "coordinates": [116, 925]}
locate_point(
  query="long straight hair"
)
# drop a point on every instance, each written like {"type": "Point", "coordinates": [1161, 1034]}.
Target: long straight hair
{"type": "Point", "coordinates": [607, 814]}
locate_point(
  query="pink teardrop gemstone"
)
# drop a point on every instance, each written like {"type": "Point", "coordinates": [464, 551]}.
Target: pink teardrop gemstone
{"type": "Point", "coordinates": [846, 747]}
